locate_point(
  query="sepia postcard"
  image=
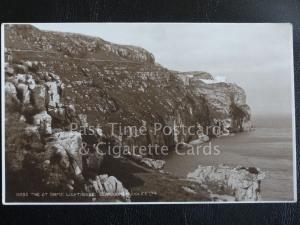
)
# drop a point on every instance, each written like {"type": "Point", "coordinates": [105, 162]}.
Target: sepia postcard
{"type": "Point", "coordinates": [148, 113]}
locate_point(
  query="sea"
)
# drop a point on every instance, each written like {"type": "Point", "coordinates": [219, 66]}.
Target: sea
{"type": "Point", "coordinates": [269, 147]}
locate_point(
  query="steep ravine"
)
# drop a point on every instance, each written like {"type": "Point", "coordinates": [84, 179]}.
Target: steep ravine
{"type": "Point", "coordinates": [55, 80]}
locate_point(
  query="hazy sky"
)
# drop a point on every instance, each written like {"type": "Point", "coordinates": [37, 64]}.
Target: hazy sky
{"type": "Point", "coordinates": [258, 57]}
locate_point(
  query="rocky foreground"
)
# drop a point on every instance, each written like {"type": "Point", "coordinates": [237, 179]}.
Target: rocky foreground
{"type": "Point", "coordinates": [239, 183]}
{"type": "Point", "coordinates": [55, 80]}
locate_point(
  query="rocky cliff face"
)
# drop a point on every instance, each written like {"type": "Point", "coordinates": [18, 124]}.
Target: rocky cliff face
{"type": "Point", "coordinates": [226, 101]}
{"type": "Point", "coordinates": [243, 184]}
{"type": "Point", "coordinates": [27, 37]}
{"type": "Point", "coordinates": [54, 79]}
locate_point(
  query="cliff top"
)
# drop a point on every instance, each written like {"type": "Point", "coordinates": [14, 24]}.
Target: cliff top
{"type": "Point", "coordinates": [30, 38]}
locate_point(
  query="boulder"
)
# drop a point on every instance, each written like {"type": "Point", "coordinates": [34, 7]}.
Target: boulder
{"type": "Point", "coordinates": [9, 70]}
{"type": "Point", "coordinates": [39, 97]}
{"type": "Point", "coordinates": [53, 96]}
{"type": "Point", "coordinates": [113, 185]}
{"type": "Point", "coordinates": [21, 68]}
{"type": "Point", "coordinates": [154, 164]}
{"type": "Point", "coordinates": [43, 121]}
{"type": "Point", "coordinates": [151, 163]}
{"type": "Point", "coordinates": [11, 99]}
{"type": "Point", "coordinates": [58, 113]}
{"type": "Point", "coordinates": [23, 93]}
{"type": "Point", "coordinates": [240, 182]}
{"type": "Point", "coordinates": [59, 150]}
{"type": "Point", "coordinates": [19, 78]}
{"type": "Point", "coordinates": [30, 130]}
{"type": "Point", "coordinates": [28, 64]}
{"type": "Point", "coordinates": [33, 133]}
{"type": "Point", "coordinates": [56, 78]}
{"type": "Point", "coordinates": [83, 120]}
{"type": "Point", "coordinates": [108, 186]}
{"type": "Point", "coordinates": [30, 82]}
{"type": "Point", "coordinates": [201, 139]}
{"type": "Point", "coordinates": [67, 145]}
{"type": "Point", "coordinates": [10, 89]}
{"type": "Point", "coordinates": [70, 113]}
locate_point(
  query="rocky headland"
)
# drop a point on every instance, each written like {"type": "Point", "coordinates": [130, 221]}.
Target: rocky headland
{"type": "Point", "coordinates": [59, 87]}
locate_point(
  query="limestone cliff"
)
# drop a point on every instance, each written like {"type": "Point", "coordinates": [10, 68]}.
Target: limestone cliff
{"type": "Point", "coordinates": [27, 37]}
{"type": "Point", "coordinates": [53, 79]}
{"type": "Point", "coordinates": [226, 101]}
{"type": "Point", "coordinates": [243, 184]}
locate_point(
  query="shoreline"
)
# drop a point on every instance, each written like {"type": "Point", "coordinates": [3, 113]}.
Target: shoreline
{"type": "Point", "coordinates": [279, 179]}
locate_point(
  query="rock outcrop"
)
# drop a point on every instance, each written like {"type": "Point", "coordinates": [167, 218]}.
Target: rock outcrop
{"type": "Point", "coordinates": [10, 89]}
{"type": "Point", "coordinates": [152, 163]}
{"type": "Point", "coordinates": [220, 95]}
{"type": "Point", "coordinates": [200, 140]}
{"type": "Point", "coordinates": [107, 188]}
{"type": "Point", "coordinates": [73, 45]}
{"type": "Point", "coordinates": [155, 164]}
{"type": "Point", "coordinates": [244, 184]}
{"type": "Point", "coordinates": [89, 81]}
{"type": "Point", "coordinates": [52, 94]}
{"type": "Point", "coordinates": [66, 146]}
{"type": "Point", "coordinates": [11, 94]}
{"type": "Point", "coordinates": [226, 101]}
{"type": "Point", "coordinates": [39, 97]}
{"type": "Point", "coordinates": [43, 120]}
